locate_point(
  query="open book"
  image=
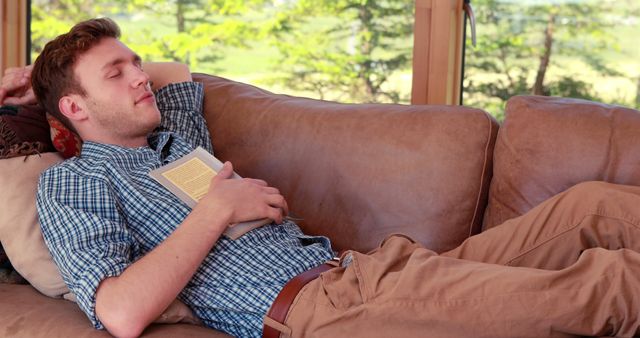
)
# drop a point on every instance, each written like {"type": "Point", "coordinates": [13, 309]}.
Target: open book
{"type": "Point", "coordinates": [189, 179]}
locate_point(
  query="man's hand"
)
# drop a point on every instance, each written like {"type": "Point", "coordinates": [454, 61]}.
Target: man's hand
{"type": "Point", "coordinates": [244, 199]}
{"type": "Point", "coordinates": [16, 86]}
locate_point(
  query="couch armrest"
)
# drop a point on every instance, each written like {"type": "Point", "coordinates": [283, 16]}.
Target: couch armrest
{"type": "Point", "coordinates": [359, 172]}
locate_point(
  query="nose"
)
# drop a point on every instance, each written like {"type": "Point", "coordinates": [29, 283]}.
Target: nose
{"type": "Point", "coordinates": [140, 78]}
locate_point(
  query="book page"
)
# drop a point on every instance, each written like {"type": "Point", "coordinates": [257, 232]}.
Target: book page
{"type": "Point", "coordinates": [189, 179]}
{"type": "Point", "coordinates": [192, 177]}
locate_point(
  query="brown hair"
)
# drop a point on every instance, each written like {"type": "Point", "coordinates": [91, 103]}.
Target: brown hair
{"type": "Point", "coordinates": [52, 76]}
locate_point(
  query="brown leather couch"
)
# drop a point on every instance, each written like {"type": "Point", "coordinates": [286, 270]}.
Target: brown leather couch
{"type": "Point", "coordinates": [357, 173]}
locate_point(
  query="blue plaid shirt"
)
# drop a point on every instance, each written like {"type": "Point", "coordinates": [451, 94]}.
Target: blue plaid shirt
{"type": "Point", "coordinates": [101, 211]}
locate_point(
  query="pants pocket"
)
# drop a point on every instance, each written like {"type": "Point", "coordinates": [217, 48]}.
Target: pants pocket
{"type": "Point", "coordinates": [342, 284]}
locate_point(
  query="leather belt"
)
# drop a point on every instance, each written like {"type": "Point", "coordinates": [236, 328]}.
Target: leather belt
{"type": "Point", "coordinates": [283, 301]}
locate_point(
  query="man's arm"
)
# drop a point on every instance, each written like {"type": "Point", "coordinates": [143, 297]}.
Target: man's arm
{"type": "Point", "coordinates": [128, 303]}
{"type": "Point", "coordinates": [181, 105]}
{"type": "Point", "coordinates": [164, 73]}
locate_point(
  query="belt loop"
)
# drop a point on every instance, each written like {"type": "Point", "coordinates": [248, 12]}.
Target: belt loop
{"type": "Point", "coordinates": [335, 262]}
{"type": "Point", "coordinates": [272, 323]}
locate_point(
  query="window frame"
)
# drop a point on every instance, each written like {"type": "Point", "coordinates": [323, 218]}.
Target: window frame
{"type": "Point", "coordinates": [14, 32]}
{"type": "Point", "coordinates": [437, 50]}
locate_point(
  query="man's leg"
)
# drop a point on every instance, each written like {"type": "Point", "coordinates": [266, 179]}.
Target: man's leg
{"type": "Point", "coordinates": [404, 290]}
{"type": "Point", "coordinates": [553, 234]}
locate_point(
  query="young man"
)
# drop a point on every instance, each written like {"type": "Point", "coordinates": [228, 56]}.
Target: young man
{"type": "Point", "coordinates": [127, 247]}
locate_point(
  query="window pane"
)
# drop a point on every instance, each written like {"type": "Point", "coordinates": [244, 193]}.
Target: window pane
{"type": "Point", "coordinates": [571, 48]}
{"type": "Point", "coordinates": [347, 50]}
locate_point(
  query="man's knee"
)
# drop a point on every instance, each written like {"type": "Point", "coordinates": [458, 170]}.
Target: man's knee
{"type": "Point", "coordinates": [598, 197]}
{"type": "Point", "coordinates": [597, 191]}
{"type": "Point", "coordinates": [590, 188]}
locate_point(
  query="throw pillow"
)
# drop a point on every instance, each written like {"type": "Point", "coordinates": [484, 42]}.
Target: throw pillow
{"type": "Point", "coordinates": [10, 276]}
{"type": "Point", "coordinates": [67, 142]}
{"type": "Point", "coordinates": [23, 130]}
{"type": "Point", "coordinates": [19, 229]}
{"type": "Point", "coordinates": [22, 239]}
{"type": "Point", "coordinates": [4, 260]}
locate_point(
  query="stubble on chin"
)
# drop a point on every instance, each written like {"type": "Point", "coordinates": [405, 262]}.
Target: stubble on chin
{"type": "Point", "coordinates": [127, 124]}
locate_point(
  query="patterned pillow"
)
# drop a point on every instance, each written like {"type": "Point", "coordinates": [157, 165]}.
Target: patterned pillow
{"type": "Point", "coordinates": [23, 131]}
{"type": "Point", "coordinates": [64, 140]}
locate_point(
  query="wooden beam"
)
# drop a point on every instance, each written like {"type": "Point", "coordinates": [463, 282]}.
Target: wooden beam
{"type": "Point", "coordinates": [437, 51]}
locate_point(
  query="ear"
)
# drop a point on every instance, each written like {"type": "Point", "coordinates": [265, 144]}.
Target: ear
{"type": "Point", "coordinates": [72, 107]}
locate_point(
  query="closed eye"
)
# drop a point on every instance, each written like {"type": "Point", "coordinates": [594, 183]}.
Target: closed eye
{"type": "Point", "coordinates": [114, 75]}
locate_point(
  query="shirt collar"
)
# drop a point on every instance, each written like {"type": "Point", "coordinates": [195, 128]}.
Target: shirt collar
{"type": "Point", "coordinates": [157, 142]}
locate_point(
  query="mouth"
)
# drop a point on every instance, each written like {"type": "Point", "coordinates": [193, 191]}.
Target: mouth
{"type": "Point", "coordinates": [145, 97]}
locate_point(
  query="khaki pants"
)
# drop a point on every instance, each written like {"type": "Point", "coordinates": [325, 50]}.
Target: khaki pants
{"type": "Point", "coordinates": [558, 271]}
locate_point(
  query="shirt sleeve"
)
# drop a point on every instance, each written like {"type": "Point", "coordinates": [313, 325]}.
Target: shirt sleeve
{"type": "Point", "coordinates": [180, 105]}
{"type": "Point", "coordinates": [88, 239]}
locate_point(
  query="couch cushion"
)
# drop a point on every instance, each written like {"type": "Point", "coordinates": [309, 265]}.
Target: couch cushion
{"type": "Point", "coordinates": [358, 173]}
{"type": "Point", "coordinates": [26, 313]}
{"type": "Point", "coordinates": [549, 144]}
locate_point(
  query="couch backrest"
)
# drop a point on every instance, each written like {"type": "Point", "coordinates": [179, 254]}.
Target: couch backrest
{"type": "Point", "coordinates": [548, 144]}
{"type": "Point", "coordinates": [358, 173]}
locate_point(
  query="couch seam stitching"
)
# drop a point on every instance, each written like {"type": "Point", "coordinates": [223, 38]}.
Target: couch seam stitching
{"type": "Point", "coordinates": [484, 168]}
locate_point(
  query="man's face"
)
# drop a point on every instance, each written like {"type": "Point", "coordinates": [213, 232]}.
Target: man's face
{"type": "Point", "coordinates": [118, 96]}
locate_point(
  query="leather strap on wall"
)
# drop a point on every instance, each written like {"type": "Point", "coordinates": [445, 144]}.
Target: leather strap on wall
{"type": "Point", "coordinates": [13, 34]}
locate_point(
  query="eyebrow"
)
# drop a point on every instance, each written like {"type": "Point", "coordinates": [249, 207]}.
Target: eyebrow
{"type": "Point", "coordinates": [136, 58]}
